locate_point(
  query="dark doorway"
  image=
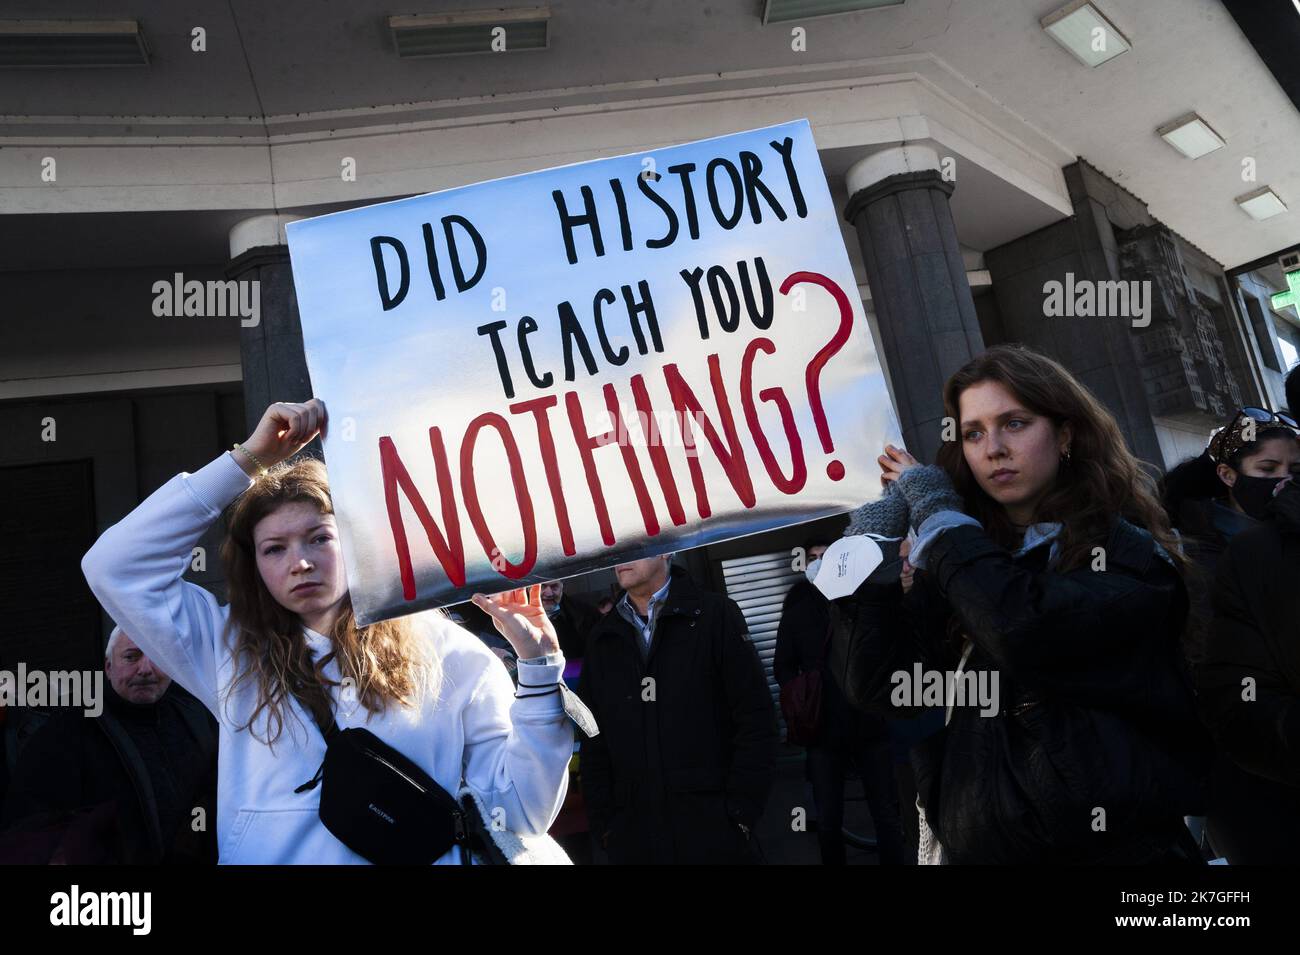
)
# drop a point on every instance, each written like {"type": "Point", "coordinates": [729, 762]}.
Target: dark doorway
{"type": "Point", "coordinates": [49, 619]}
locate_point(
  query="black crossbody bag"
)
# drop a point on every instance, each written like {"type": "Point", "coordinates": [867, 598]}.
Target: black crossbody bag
{"type": "Point", "coordinates": [385, 808]}
{"type": "Point", "coordinates": [388, 810]}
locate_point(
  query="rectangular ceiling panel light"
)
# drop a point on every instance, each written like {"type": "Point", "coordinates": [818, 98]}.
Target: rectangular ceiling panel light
{"type": "Point", "coordinates": [1261, 204]}
{"type": "Point", "coordinates": [1191, 136]}
{"type": "Point", "coordinates": [784, 11]}
{"type": "Point", "coordinates": [1083, 30]}
{"type": "Point", "coordinates": [69, 44]}
{"type": "Point", "coordinates": [471, 31]}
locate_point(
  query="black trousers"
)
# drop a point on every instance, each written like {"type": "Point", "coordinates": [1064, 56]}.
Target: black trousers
{"type": "Point", "coordinates": [828, 764]}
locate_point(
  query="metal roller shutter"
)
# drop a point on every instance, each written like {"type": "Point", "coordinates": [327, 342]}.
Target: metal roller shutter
{"type": "Point", "coordinates": [758, 584]}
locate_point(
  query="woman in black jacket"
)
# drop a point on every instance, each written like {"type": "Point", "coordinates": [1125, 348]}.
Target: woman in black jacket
{"type": "Point", "coordinates": [1250, 690]}
{"type": "Point", "coordinates": [1212, 498]}
{"type": "Point", "coordinates": [845, 737]}
{"type": "Point", "coordinates": [1048, 597]}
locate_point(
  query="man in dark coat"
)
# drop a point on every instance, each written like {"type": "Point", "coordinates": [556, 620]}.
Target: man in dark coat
{"type": "Point", "coordinates": [1250, 690]}
{"type": "Point", "coordinates": [686, 754]}
{"type": "Point", "coordinates": [150, 755]}
{"type": "Point", "coordinates": [571, 618]}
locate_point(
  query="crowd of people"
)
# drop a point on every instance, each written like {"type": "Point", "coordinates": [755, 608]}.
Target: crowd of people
{"type": "Point", "coordinates": [1143, 637]}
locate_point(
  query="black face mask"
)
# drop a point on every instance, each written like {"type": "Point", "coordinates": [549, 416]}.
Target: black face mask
{"type": "Point", "coordinates": [1254, 494]}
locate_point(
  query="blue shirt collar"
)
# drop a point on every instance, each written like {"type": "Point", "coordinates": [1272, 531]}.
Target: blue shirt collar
{"type": "Point", "coordinates": [658, 597]}
{"type": "Point", "coordinates": [1039, 534]}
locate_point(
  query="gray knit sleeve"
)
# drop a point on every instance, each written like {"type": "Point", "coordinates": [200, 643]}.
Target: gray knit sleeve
{"type": "Point", "coordinates": [927, 491]}
{"type": "Point", "coordinates": [886, 516]}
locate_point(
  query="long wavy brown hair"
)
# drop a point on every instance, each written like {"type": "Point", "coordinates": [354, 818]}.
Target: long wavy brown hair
{"type": "Point", "coordinates": [1101, 481]}
{"type": "Point", "coordinates": [389, 663]}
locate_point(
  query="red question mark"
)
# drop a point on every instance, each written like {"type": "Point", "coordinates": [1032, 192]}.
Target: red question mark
{"type": "Point", "coordinates": [834, 469]}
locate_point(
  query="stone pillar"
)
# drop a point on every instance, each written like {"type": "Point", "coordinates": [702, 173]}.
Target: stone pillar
{"type": "Point", "coordinates": [898, 202]}
{"type": "Point", "coordinates": [271, 352]}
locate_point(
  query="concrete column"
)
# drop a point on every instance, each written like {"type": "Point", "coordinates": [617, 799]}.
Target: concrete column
{"type": "Point", "coordinates": [271, 352]}
{"type": "Point", "coordinates": [898, 202]}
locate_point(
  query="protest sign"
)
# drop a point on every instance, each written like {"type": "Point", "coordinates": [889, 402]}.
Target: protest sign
{"type": "Point", "coordinates": [556, 372]}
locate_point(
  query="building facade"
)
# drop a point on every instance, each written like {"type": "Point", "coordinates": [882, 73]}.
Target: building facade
{"type": "Point", "coordinates": [975, 160]}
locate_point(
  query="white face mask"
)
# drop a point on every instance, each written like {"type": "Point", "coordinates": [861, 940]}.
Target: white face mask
{"type": "Point", "coordinates": [811, 570]}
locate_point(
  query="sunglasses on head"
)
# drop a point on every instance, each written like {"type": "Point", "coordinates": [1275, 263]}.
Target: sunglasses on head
{"type": "Point", "coordinates": [1264, 416]}
{"type": "Point", "coordinates": [1231, 439]}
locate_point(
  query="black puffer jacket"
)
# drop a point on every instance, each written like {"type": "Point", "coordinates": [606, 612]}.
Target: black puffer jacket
{"type": "Point", "coordinates": [1095, 709]}
{"type": "Point", "coordinates": [1256, 638]}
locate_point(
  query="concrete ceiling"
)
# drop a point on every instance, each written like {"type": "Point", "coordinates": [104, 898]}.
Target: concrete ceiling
{"type": "Point", "coordinates": [121, 240]}
{"type": "Point", "coordinates": [302, 61]}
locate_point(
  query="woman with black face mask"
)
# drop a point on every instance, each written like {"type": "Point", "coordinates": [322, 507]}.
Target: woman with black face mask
{"type": "Point", "coordinates": [1212, 498]}
{"type": "Point", "coordinates": [1252, 467]}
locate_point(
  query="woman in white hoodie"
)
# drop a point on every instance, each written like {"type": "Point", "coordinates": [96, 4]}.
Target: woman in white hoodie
{"type": "Point", "coordinates": [420, 683]}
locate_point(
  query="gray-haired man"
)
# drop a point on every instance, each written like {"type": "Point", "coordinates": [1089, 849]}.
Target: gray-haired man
{"type": "Point", "coordinates": [150, 755]}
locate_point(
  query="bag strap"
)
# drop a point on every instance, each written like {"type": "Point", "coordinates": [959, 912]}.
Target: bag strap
{"type": "Point", "coordinates": [328, 732]}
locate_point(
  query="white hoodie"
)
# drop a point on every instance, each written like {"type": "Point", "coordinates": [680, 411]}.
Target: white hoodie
{"type": "Point", "coordinates": [513, 752]}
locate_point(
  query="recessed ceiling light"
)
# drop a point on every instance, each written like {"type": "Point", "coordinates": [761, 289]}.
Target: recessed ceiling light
{"type": "Point", "coordinates": [1083, 30]}
{"type": "Point", "coordinates": [783, 11]}
{"type": "Point", "coordinates": [1261, 204]}
{"type": "Point", "coordinates": [471, 31]}
{"type": "Point", "coordinates": [71, 43]}
{"type": "Point", "coordinates": [1191, 136]}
